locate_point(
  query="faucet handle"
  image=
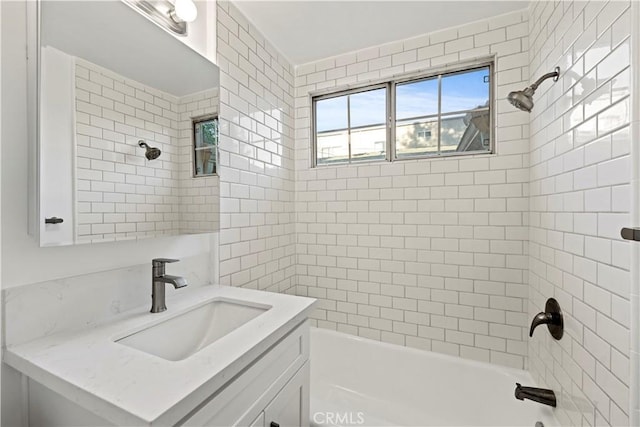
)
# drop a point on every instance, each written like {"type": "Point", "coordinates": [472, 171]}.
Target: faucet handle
{"type": "Point", "coordinates": [541, 318]}
{"type": "Point", "coordinates": [160, 261]}
{"type": "Point", "coordinates": [552, 317]}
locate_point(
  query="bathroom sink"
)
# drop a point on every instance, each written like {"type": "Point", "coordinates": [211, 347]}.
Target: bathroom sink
{"type": "Point", "coordinates": [186, 334]}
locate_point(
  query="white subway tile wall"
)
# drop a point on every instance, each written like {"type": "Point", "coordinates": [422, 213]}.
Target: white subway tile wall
{"type": "Point", "coordinates": [452, 255]}
{"type": "Point", "coordinates": [580, 199]}
{"type": "Point", "coordinates": [120, 194]}
{"type": "Point", "coordinates": [425, 253]}
{"type": "Point", "coordinates": [257, 231]}
{"type": "Point", "coordinates": [199, 203]}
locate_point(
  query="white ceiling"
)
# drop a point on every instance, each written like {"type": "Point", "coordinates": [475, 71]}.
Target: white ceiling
{"type": "Point", "coordinates": [115, 36]}
{"type": "Point", "coordinates": [306, 31]}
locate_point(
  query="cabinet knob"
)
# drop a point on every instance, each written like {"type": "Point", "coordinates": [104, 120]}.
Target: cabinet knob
{"type": "Point", "coordinates": [274, 424]}
{"type": "Point", "coordinates": [53, 220]}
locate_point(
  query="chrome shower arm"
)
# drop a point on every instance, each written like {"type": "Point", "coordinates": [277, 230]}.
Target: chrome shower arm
{"type": "Point", "coordinates": [555, 74]}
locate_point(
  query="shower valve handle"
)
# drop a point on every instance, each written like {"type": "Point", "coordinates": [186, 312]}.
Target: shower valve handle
{"type": "Point", "coordinates": [552, 317]}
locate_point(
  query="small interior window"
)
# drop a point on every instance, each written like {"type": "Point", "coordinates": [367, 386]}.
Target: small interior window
{"type": "Point", "coordinates": [205, 137]}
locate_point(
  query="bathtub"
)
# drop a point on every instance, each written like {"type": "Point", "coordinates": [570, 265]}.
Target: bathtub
{"type": "Point", "coordinates": [357, 381]}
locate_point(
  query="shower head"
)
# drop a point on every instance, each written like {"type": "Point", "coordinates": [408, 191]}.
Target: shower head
{"type": "Point", "coordinates": [151, 153]}
{"type": "Point", "coordinates": [523, 99]}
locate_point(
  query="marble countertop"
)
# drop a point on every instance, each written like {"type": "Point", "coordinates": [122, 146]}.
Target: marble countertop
{"type": "Point", "coordinates": [130, 387]}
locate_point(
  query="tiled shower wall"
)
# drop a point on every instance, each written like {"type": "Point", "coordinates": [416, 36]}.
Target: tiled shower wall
{"type": "Point", "coordinates": [118, 190]}
{"type": "Point", "coordinates": [580, 199]}
{"type": "Point", "coordinates": [120, 194]}
{"type": "Point", "coordinates": [257, 232]}
{"type": "Point", "coordinates": [426, 253]}
{"type": "Point", "coordinates": [199, 204]}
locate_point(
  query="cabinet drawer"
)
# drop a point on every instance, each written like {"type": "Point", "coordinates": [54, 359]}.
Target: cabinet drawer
{"type": "Point", "coordinates": [240, 402]}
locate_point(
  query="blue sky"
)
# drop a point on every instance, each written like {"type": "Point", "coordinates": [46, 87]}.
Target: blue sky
{"type": "Point", "coordinates": [462, 91]}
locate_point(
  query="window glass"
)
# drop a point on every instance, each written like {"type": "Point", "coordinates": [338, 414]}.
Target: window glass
{"type": "Point", "coordinates": [442, 115]}
{"type": "Point", "coordinates": [417, 137]}
{"type": "Point", "coordinates": [368, 108]}
{"type": "Point", "coordinates": [368, 124]}
{"type": "Point", "coordinates": [333, 146]}
{"type": "Point", "coordinates": [417, 99]}
{"type": "Point", "coordinates": [452, 129]}
{"type": "Point", "coordinates": [206, 133]}
{"type": "Point", "coordinates": [205, 137]}
{"type": "Point", "coordinates": [205, 162]}
{"type": "Point", "coordinates": [351, 127]}
{"type": "Point", "coordinates": [332, 136]}
{"type": "Point", "coordinates": [331, 114]}
{"type": "Point", "coordinates": [465, 90]}
{"type": "Point", "coordinates": [466, 132]}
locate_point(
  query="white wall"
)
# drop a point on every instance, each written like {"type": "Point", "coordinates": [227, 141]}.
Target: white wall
{"type": "Point", "coordinates": [257, 234]}
{"type": "Point", "coordinates": [580, 199]}
{"type": "Point", "coordinates": [426, 253]}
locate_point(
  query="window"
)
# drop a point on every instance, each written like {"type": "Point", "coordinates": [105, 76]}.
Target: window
{"type": "Point", "coordinates": [351, 127]}
{"type": "Point", "coordinates": [205, 141]}
{"type": "Point", "coordinates": [436, 115]}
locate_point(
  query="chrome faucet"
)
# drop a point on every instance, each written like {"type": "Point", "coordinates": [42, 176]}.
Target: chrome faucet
{"type": "Point", "coordinates": [540, 395]}
{"type": "Point", "coordinates": [159, 279]}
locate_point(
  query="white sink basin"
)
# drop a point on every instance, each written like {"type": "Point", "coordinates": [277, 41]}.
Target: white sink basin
{"type": "Point", "coordinates": [186, 334]}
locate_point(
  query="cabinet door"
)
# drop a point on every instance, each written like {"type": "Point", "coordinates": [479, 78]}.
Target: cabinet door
{"type": "Point", "coordinates": [290, 407]}
{"type": "Point", "coordinates": [258, 422]}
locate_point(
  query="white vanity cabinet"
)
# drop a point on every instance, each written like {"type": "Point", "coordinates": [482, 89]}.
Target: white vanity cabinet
{"type": "Point", "coordinates": [256, 374]}
{"type": "Point", "coordinates": [288, 408]}
{"type": "Point", "coordinates": [272, 390]}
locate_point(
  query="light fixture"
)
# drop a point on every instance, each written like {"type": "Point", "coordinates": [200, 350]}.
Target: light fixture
{"type": "Point", "coordinates": [184, 11]}
{"type": "Point", "coordinates": [173, 16]}
{"type": "Point", "coordinates": [523, 99]}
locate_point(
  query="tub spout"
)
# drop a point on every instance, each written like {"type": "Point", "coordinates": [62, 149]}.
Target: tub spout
{"type": "Point", "coordinates": [540, 395]}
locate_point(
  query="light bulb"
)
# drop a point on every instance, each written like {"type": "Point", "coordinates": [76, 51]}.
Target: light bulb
{"type": "Point", "coordinates": [186, 10]}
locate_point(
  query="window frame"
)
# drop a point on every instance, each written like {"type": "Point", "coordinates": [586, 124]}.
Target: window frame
{"type": "Point", "coordinates": [390, 85]}
{"type": "Point", "coordinates": [195, 121]}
